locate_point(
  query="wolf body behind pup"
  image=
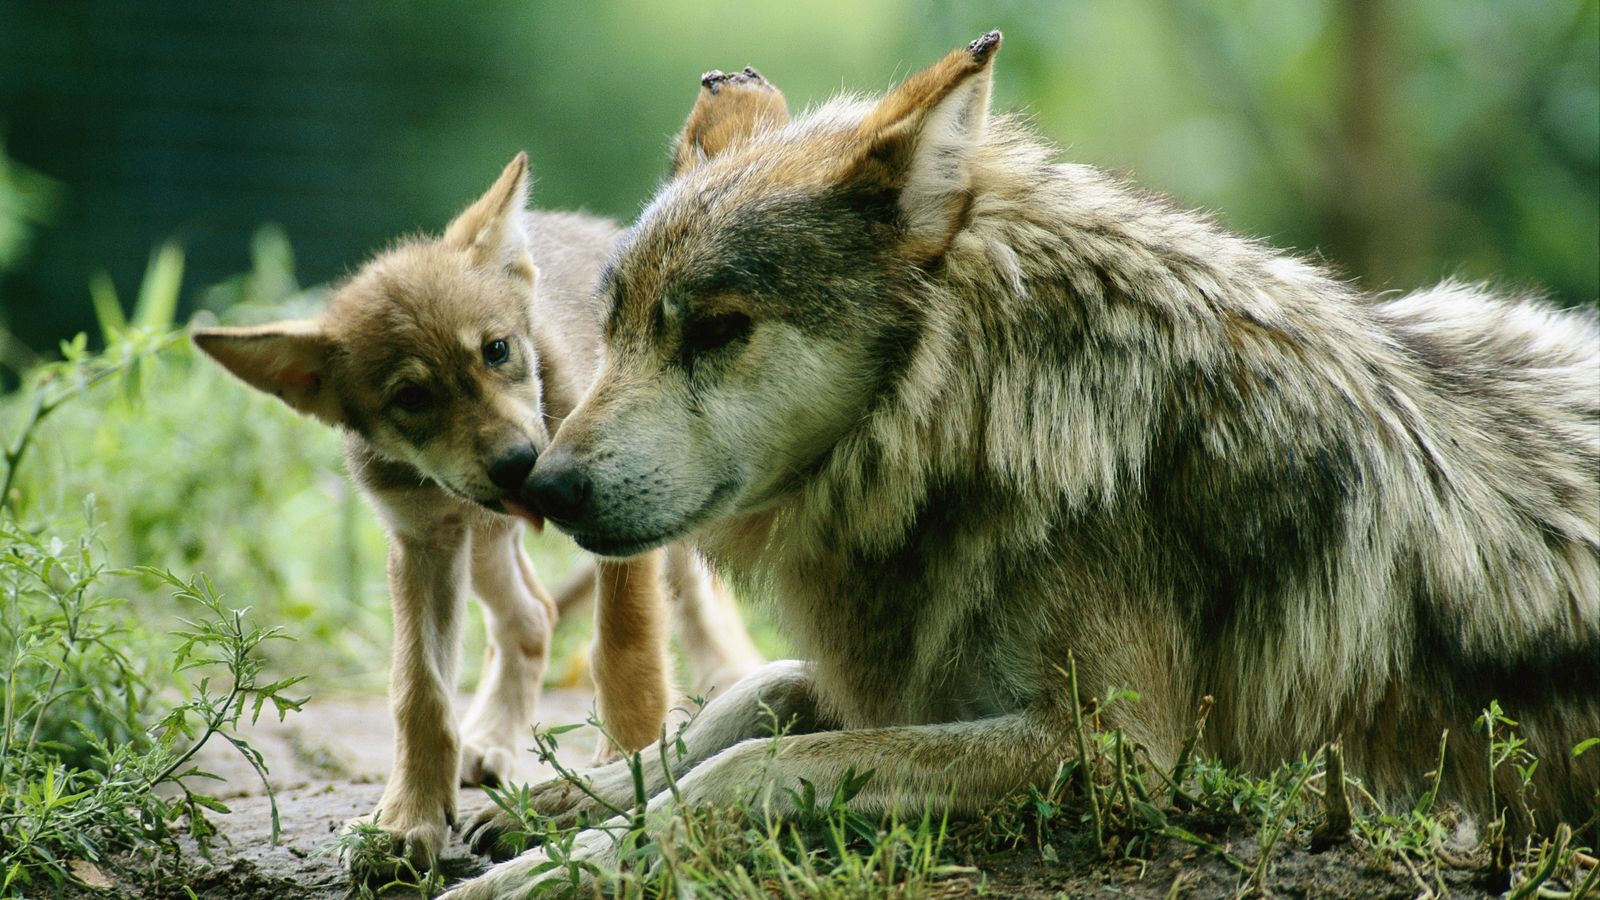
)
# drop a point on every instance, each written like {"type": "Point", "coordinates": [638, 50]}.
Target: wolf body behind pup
{"type": "Point", "coordinates": [959, 410]}
{"type": "Point", "coordinates": [445, 363]}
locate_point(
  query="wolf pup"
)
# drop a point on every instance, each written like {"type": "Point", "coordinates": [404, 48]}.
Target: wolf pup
{"type": "Point", "coordinates": [961, 410]}
{"type": "Point", "coordinates": [445, 362]}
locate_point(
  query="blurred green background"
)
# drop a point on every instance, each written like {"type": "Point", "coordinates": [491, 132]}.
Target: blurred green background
{"type": "Point", "coordinates": [1402, 140]}
{"type": "Point", "coordinates": [1405, 140]}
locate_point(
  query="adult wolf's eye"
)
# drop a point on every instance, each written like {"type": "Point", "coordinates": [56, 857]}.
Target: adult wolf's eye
{"type": "Point", "coordinates": [496, 351]}
{"type": "Point", "coordinates": [411, 397]}
{"type": "Point", "coordinates": [711, 332]}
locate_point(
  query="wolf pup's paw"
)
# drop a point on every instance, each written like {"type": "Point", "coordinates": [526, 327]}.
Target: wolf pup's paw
{"type": "Point", "coordinates": [385, 847]}
{"type": "Point", "coordinates": [486, 764]}
{"type": "Point", "coordinates": [604, 752]}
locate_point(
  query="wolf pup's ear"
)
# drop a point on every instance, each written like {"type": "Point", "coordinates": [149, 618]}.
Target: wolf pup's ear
{"type": "Point", "coordinates": [492, 228]}
{"type": "Point", "coordinates": [919, 142]}
{"type": "Point", "coordinates": [730, 108]}
{"type": "Point", "coordinates": [288, 360]}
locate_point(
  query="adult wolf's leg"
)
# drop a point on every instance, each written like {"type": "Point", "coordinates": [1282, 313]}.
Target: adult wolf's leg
{"type": "Point", "coordinates": [960, 768]}
{"type": "Point", "coordinates": [427, 587]}
{"type": "Point", "coordinates": [709, 626]}
{"type": "Point", "coordinates": [518, 620]}
{"type": "Point", "coordinates": [779, 696]}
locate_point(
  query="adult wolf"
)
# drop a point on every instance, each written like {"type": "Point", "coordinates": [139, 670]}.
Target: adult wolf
{"type": "Point", "coordinates": [442, 364]}
{"type": "Point", "coordinates": [957, 410]}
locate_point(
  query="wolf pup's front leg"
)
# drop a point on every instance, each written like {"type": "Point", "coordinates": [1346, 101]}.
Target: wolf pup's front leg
{"type": "Point", "coordinates": [427, 589]}
{"type": "Point", "coordinates": [519, 617]}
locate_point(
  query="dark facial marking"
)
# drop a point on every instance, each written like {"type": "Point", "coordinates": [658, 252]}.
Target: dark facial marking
{"type": "Point", "coordinates": [704, 335]}
{"type": "Point", "coordinates": [410, 397]}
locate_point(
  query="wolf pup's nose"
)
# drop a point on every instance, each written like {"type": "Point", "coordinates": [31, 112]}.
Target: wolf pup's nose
{"type": "Point", "coordinates": [559, 488]}
{"type": "Point", "coordinates": [512, 468]}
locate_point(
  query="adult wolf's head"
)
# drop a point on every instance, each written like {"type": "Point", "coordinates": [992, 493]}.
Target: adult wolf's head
{"type": "Point", "coordinates": [427, 353]}
{"type": "Point", "coordinates": [763, 300]}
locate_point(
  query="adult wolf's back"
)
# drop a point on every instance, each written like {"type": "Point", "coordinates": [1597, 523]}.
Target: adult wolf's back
{"type": "Point", "coordinates": [960, 409]}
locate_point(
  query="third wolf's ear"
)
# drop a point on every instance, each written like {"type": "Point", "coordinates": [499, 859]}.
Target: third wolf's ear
{"type": "Point", "coordinates": [919, 142]}
{"type": "Point", "coordinates": [730, 108]}
{"type": "Point", "coordinates": [493, 229]}
{"type": "Point", "coordinates": [288, 360]}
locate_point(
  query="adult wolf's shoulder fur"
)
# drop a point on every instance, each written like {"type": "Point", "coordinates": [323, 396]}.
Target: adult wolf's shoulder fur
{"type": "Point", "coordinates": [1356, 516]}
{"type": "Point", "coordinates": [1353, 516]}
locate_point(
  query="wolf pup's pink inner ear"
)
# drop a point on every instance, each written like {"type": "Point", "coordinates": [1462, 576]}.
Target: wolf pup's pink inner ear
{"type": "Point", "coordinates": [729, 109]}
{"type": "Point", "coordinates": [288, 360]}
{"type": "Point", "coordinates": [493, 229]}
{"type": "Point", "coordinates": [920, 141]}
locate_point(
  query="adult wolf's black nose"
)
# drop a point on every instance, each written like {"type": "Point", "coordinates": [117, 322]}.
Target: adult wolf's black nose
{"type": "Point", "coordinates": [512, 468]}
{"type": "Point", "coordinates": [559, 488]}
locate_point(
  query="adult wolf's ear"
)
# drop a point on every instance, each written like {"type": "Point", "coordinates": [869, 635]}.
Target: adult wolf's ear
{"type": "Point", "coordinates": [288, 360]}
{"type": "Point", "coordinates": [920, 140]}
{"type": "Point", "coordinates": [492, 228]}
{"type": "Point", "coordinates": [729, 109]}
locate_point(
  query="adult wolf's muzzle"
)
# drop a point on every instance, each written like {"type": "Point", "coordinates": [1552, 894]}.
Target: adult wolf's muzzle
{"type": "Point", "coordinates": [559, 488]}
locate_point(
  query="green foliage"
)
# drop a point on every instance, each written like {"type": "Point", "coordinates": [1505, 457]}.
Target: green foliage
{"type": "Point", "coordinates": [1404, 140]}
{"type": "Point", "coordinates": [1508, 749]}
{"type": "Point", "coordinates": [27, 200]}
{"type": "Point", "coordinates": [95, 761]}
{"type": "Point", "coordinates": [194, 471]}
{"type": "Point", "coordinates": [270, 283]}
{"type": "Point", "coordinates": [100, 717]}
{"type": "Point", "coordinates": [157, 305]}
{"type": "Point", "coordinates": [76, 660]}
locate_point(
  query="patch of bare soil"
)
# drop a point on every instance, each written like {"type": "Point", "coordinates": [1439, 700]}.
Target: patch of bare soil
{"type": "Point", "coordinates": [1170, 867]}
{"type": "Point", "coordinates": [248, 866]}
{"type": "Point", "coordinates": [328, 765]}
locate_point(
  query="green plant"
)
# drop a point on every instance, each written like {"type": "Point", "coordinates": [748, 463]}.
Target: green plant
{"type": "Point", "coordinates": [1507, 747]}
{"type": "Point", "coordinates": [84, 742]}
{"type": "Point", "coordinates": [27, 200]}
{"type": "Point", "coordinates": [101, 720]}
{"type": "Point", "coordinates": [173, 449]}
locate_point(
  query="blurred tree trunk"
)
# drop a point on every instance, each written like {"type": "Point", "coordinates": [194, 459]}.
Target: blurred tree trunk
{"type": "Point", "coordinates": [1368, 226]}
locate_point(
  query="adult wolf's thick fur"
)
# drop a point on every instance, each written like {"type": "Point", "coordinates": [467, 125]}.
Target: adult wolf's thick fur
{"type": "Point", "coordinates": [958, 409]}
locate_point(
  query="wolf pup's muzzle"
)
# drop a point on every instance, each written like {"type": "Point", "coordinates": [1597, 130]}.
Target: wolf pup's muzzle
{"type": "Point", "coordinates": [509, 472]}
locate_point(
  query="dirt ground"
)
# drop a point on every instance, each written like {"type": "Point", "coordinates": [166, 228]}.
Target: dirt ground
{"type": "Point", "coordinates": [1173, 868]}
{"type": "Point", "coordinates": [329, 763]}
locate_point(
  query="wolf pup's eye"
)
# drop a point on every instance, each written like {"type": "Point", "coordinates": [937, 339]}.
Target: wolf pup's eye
{"type": "Point", "coordinates": [496, 352]}
{"type": "Point", "coordinates": [712, 332]}
{"type": "Point", "coordinates": [411, 397]}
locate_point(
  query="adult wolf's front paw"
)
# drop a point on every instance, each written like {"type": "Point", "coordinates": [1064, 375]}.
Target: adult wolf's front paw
{"type": "Point", "coordinates": [567, 806]}
{"type": "Point", "coordinates": [520, 877]}
{"type": "Point", "coordinates": [401, 839]}
{"type": "Point", "coordinates": [494, 833]}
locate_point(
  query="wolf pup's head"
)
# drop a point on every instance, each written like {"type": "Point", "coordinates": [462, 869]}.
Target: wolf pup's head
{"type": "Point", "coordinates": [426, 353]}
{"type": "Point", "coordinates": [763, 299]}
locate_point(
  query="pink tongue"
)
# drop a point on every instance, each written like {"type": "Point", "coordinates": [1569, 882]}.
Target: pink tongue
{"type": "Point", "coordinates": [517, 509]}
